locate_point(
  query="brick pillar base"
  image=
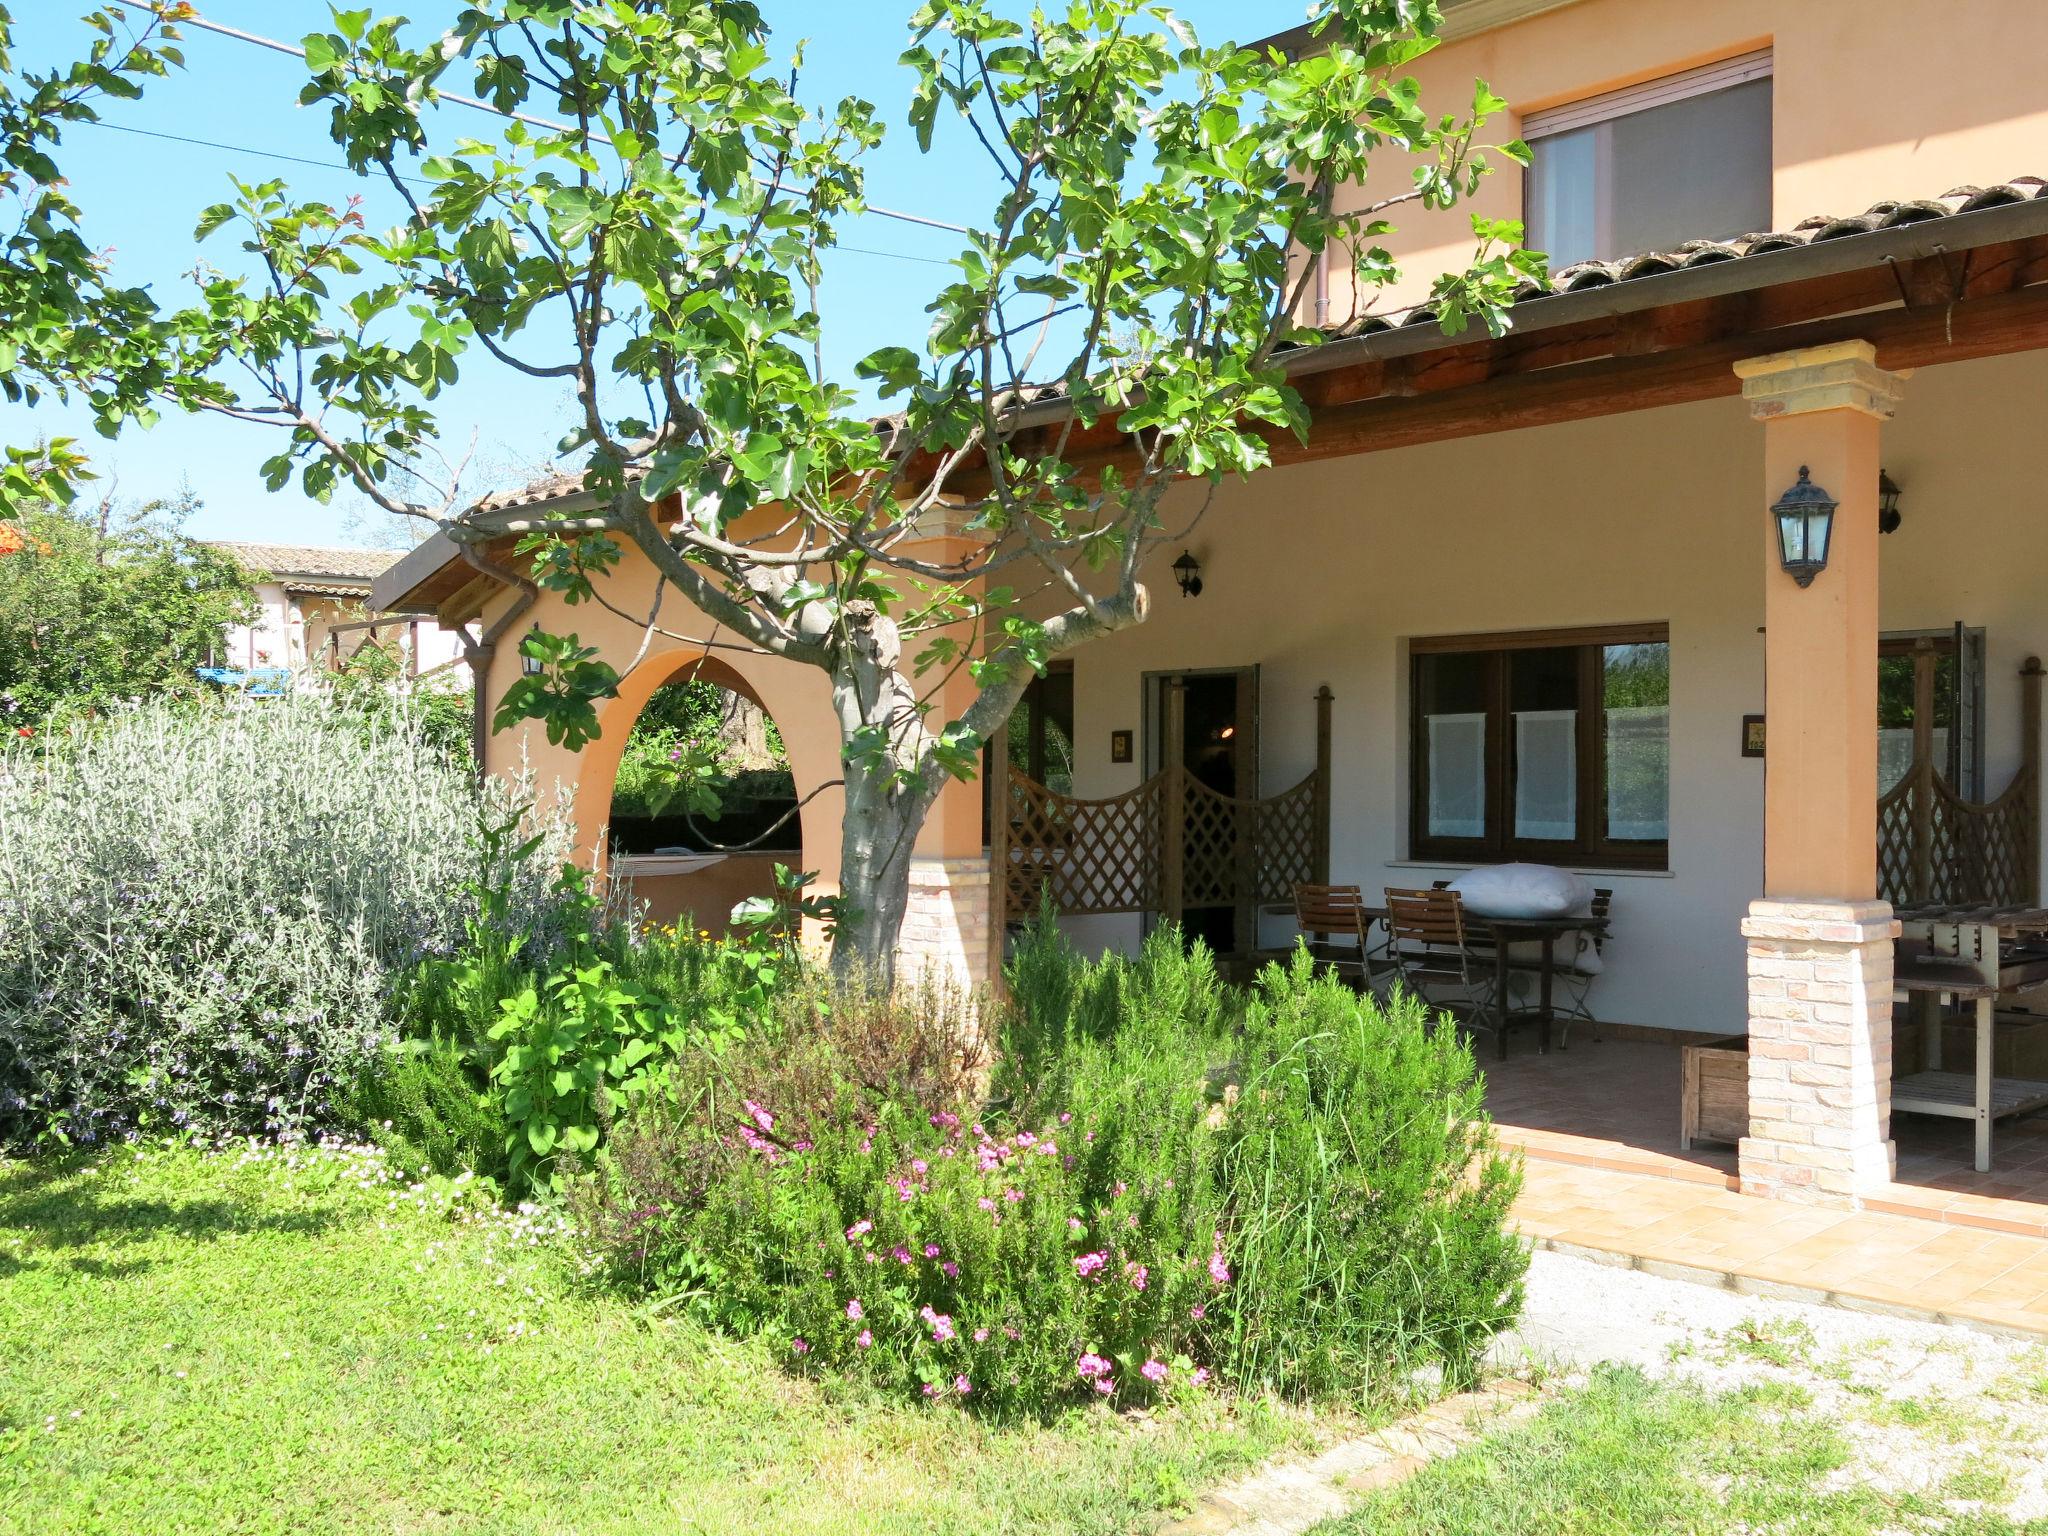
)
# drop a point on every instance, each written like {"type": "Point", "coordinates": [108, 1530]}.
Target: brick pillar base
{"type": "Point", "coordinates": [946, 926]}
{"type": "Point", "coordinates": [1820, 1051]}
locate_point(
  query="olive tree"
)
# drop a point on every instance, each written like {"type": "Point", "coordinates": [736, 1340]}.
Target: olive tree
{"type": "Point", "coordinates": [647, 228]}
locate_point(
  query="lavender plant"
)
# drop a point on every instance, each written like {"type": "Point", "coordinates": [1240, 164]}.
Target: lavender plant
{"type": "Point", "coordinates": [206, 913]}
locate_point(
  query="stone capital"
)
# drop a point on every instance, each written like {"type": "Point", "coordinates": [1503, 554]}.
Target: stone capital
{"type": "Point", "coordinates": [1842, 376]}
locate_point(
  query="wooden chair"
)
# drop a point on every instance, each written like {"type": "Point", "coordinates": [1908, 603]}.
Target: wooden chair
{"type": "Point", "coordinates": [1333, 919]}
{"type": "Point", "coordinates": [1431, 950]}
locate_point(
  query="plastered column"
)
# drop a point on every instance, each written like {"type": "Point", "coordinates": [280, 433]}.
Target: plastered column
{"type": "Point", "coordinates": [946, 925]}
{"type": "Point", "coordinates": [1819, 942]}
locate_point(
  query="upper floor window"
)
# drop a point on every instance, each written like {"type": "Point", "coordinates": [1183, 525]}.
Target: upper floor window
{"type": "Point", "coordinates": [1687, 157]}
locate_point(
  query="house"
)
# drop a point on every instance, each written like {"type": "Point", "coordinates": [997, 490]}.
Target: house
{"type": "Point", "coordinates": [312, 613]}
{"type": "Point", "coordinates": [1802, 255]}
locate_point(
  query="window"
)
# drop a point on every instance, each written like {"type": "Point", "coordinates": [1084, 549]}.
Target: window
{"type": "Point", "coordinates": [1552, 747]}
{"type": "Point", "coordinates": [1040, 735]}
{"type": "Point", "coordinates": [1955, 657]}
{"type": "Point", "coordinates": [1649, 168]}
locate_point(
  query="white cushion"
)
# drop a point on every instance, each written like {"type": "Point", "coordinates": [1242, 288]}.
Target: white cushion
{"type": "Point", "coordinates": [1523, 890]}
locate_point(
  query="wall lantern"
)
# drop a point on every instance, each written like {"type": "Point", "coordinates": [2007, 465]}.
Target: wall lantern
{"type": "Point", "coordinates": [1806, 515]}
{"type": "Point", "coordinates": [1888, 518]}
{"type": "Point", "coordinates": [1187, 570]}
{"type": "Point", "coordinates": [530, 665]}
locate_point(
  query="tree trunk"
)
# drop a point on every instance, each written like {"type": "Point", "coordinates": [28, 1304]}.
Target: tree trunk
{"type": "Point", "coordinates": [743, 732]}
{"type": "Point", "coordinates": [890, 786]}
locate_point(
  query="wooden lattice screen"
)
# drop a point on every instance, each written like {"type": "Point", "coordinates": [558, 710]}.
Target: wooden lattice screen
{"type": "Point", "coordinates": [1935, 846]}
{"type": "Point", "coordinates": [1093, 857]}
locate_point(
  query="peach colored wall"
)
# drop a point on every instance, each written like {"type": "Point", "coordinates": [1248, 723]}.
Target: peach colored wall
{"type": "Point", "coordinates": [1873, 99]}
{"type": "Point", "coordinates": [796, 697]}
{"type": "Point", "coordinates": [709, 895]}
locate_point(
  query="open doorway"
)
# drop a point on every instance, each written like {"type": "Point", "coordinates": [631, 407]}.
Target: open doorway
{"type": "Point", "coordinates": [1219, 748]}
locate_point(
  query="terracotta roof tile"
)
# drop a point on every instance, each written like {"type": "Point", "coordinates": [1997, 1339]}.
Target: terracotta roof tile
{"type": "Point", "coordinates": [285, 561]}
{"type": "Point", "coordinates": [1575, 278]}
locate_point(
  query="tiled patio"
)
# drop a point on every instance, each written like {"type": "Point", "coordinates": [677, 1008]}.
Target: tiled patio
{"type": "Point", "coordinates": [1613, 1105]}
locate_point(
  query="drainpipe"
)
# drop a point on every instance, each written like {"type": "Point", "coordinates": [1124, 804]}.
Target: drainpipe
{"type": "Point", "coordinates": [479, 652]}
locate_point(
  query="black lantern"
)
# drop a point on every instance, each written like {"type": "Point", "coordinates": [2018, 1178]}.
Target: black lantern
{"type": "Point", "coordinates": [1187, 570]}
{"type": "Point", "coordinates": [1888, 518]}
{"type": "Point", "coordinates": [1806, 516]}
{"type": "Point", "coordinates": [530, 664]}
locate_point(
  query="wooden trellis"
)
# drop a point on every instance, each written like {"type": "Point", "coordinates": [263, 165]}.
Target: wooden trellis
{"type": "Point", "coordinates": [1169, 845]}
{"type": "Point", "coordinates": [1934, 846]}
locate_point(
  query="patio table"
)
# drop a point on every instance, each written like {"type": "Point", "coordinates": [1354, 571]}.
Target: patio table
{"type": "Point", "coordinates": [1971, 955]}
{"type": "Point", "coordinates": [1501, 932]}
{"type": "Point", "coordinates": [1518, 930]}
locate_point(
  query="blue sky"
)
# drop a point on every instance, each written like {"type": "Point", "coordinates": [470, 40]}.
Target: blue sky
{"type": "Point", "coordinates": [142, 195]}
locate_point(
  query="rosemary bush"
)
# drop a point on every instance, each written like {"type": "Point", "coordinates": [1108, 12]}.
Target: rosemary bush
{"type": "Point", "coordinates": [206, 913]}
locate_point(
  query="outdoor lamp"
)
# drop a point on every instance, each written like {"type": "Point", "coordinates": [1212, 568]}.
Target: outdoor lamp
{"type": "Point", "coordinates": [1888, 518]}
{"type": "Point", "coordinates": [530, 665]}
{"type": "Point", "coordinates": [1806, 515]}
{"type": "Point", "coordinates": [1187, 570]}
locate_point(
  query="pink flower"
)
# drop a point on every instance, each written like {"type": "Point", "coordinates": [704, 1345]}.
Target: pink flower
{"type": "Point", "coordinates": [1010, 1333]}
{"type": "Point", "coordinates": [981, 1335]}
{"type": "Point", "coordinates": [1201, 1374]}
{"type": "Point", "coordinates": [962, 1385]}
{"type": "Point", "coordinates": [900, 1254]}
{"type": "Point", "coordinates": [1198, 1311]}
{"type": "Point", "coordinates": [859, 1229]}
{"type": "Point", "coordinates": [798, 1346]}
{"type": "Point", "coordinates": [1013, 1195]}
{"type": "Point", "coordinates": [1218, 1270]}
{"type": "Point", "coordinates": [1121, 1186]}
{"type": "Point", "coordinates": [1104, 1385]}
{"type": "Point", "coordinates": [1137, 1274]}
{"type": "Point", "coordinates": [931, 1250]}
{"type": "Point", "coordinates": [801, 1146]}
{"type": "Point", "coordinates": [864, 1339]}
{"type": "Point", "coordinates": [871, 1257]}
{"type": "Point", "coordinates": [1152, 1371]}
{"type": "Point", "coordinates": [1088, 1263]}
{"type": "Point", "coordinates": [1073, 1223]}
{"type": "Point", "coordinates": [985, 1203]}
{"type": "Point", "coordinates": [919, 1166]}
{"type": "Point", "coordinates": [1065, 1116]}
{"type": "Point", "coordinates": [1091, 1367]}
{"type": "Point", "coordinates": [853, 1311]}
{"type": "Point", "coordinates": [761, 1116]}
{"type": "Point", "coordinates": [950, 1270]}
{"type": "Point", "coordinates": [1025, 1138]}
{"type": "Point", "coordinates": [941, 1324]}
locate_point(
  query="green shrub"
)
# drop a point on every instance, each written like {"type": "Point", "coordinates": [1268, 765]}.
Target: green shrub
{"type": "Point", "coordinates": [1160, 1180]}
{"type": "Point", "coordinates": [418, 1099]}
{"type": "Point", "coordinates": [208, 912]}
{"type": "Point", "coordinates": [1368, 1199]}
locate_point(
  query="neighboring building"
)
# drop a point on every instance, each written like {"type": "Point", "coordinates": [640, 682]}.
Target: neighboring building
{"type": "Point", "coordinates": [1546, 587]}
{"type": "Point", "coordinates": [313, 613]}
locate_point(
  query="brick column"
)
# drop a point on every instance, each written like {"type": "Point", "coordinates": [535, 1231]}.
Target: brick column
{"type": "Point", "coordinates": [946, 929]}
{"type": "Point", "coordinates": [1820, 1050]}
{"type": "Point", "coordinates": [1820, 956]}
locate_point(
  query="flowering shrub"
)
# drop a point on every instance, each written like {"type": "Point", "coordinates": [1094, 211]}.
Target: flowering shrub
{"type": "Point", "coordinates": [204, 913]}
{"type": "Point", "coordinates": [1150, 1191]}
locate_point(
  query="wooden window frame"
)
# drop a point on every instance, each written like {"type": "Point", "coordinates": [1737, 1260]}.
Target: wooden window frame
{"type": "Point", "coordinates": [1591, 848]}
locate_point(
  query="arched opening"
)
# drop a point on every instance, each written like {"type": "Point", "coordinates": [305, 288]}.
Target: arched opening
{"type": "Point", "coordinates": [703, 802]}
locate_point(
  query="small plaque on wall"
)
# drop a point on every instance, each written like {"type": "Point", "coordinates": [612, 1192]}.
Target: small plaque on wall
{"type": "Point", "coordinates": [1119, 746]}
{"type": "Point", "coordinates": [1752, 735]}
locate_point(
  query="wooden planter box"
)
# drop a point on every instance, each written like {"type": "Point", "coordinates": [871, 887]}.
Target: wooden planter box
{"type": "Point", "coordinates": [1714, 1105]}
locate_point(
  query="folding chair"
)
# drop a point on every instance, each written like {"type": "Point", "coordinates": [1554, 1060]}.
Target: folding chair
{"type": "Point", "coordinates": [1333, 919]}
{"type": "Point", "coordinates": [1431, 949]}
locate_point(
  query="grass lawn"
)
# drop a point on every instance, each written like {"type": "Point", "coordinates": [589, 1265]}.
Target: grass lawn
{"type": "Point", "coordinates": [292, 1343]}
{"type": "Point", "coordinates": [1625, 1455]}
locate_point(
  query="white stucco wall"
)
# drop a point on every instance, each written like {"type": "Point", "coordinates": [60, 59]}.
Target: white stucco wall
{"type": "Point", "coordinates": [1321, 573]}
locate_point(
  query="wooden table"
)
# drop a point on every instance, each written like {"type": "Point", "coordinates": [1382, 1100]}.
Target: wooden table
{"type": "Point", "coordinates": [1971, 955]}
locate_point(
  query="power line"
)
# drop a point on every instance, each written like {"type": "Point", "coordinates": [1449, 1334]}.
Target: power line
{"type": "Point", "coordinates": [151, 8]}
{"type": "Point", "coordinates": [336, 165]}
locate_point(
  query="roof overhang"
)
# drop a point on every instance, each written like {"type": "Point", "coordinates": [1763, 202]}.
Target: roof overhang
{"type": "Point", "coordinates": [1462, 18]}
{"type": "Point", "coordinates": [1944, 289]}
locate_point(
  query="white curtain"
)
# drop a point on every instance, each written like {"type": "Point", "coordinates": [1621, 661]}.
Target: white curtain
{"type": "Point", "coordinates": [1639, 773]}
{"type": "Point", "coordinates": [1457, 775]}
{"type": "Point", "coordinates": [1547, 774]}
